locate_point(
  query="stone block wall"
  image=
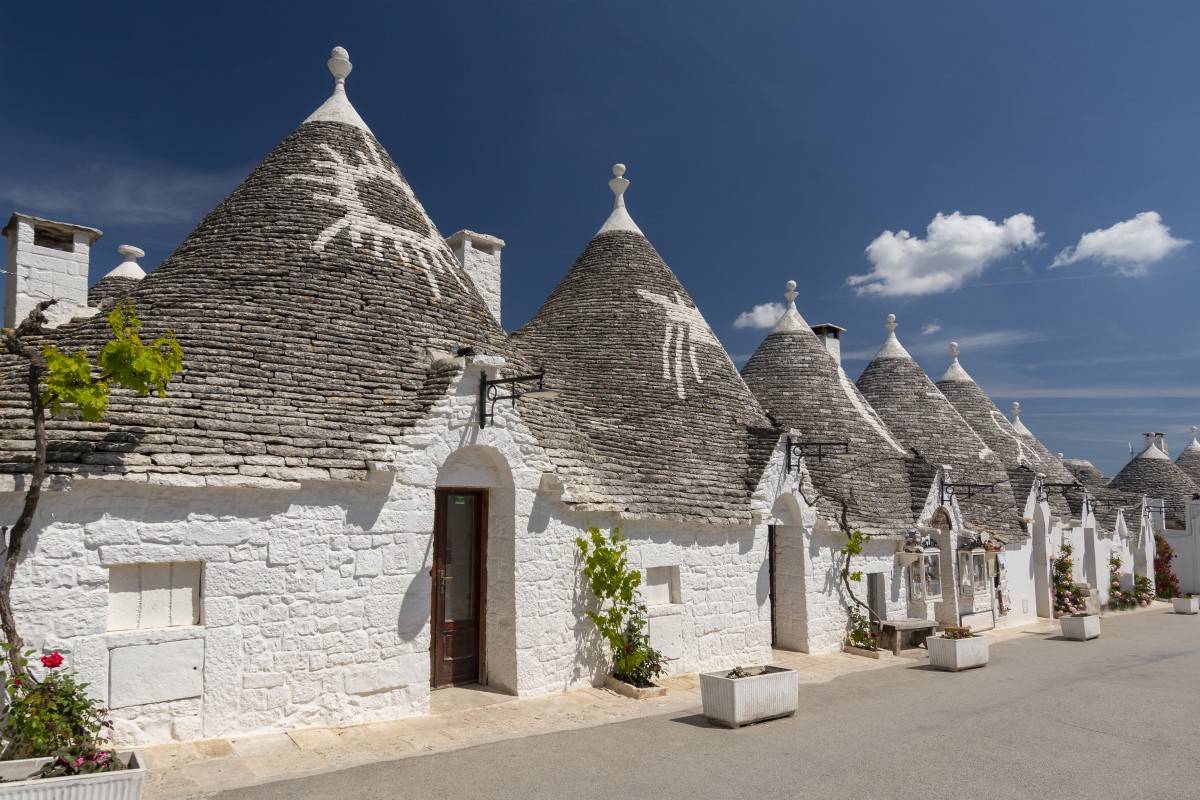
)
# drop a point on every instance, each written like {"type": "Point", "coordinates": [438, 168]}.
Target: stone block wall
{"type": "Point", "coordinates": [309, 613]}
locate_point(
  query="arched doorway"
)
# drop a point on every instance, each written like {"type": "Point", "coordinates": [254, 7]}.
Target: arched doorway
{"type": "Point", "coordinates": [473, 603]}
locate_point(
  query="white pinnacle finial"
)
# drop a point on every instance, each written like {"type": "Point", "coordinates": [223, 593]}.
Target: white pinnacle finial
{"type": "Point", "coordinates": [337, 108]}
{"type": "Point", "coordinates": [955, 372]}
{"type": "Point", "coordinates": [618, 184]}
{"type": "Point", "coordinates": [128, 268]}
{"type": "Point", "coordinates": [1016, 407]}
{"type": "Point", "coordinates": [339, 65]}
{"type": "Point", "coordinates": [791, 321]}
{"type": "Point", "coordinates": [619, 219]}
{"type": "Point", "coordinates": [1195, 430]}
{"type": "Point", "coordinates": [891, 345]}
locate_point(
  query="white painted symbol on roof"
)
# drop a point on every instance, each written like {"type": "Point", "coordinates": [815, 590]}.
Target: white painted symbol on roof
{"type": "Point", "coordinates": [682, 322]}
{"type": "Point", "coordinates": [362, 225]}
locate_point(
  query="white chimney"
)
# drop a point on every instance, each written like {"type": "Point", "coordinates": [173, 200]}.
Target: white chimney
{"type": "Point", "coordinates": [480, 256]}
{"type": "Point", "coordinates": [1147, 440]}
{"type": "Point", "coordinates": [830, 336]}
{"type": "Point", "coordinates": [46, 260]}
{"type": "Point", "coordinates": [1160, 441]}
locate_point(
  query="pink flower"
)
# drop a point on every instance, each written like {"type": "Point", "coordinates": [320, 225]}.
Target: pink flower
{"type": "Point", "coordinates": [79, 761]}
{"type": "Point", "coordinates": [52, 661]}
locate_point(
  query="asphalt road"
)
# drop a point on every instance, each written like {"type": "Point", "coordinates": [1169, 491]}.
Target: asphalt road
{"type": "Point", "coordinates": [1111, 718]}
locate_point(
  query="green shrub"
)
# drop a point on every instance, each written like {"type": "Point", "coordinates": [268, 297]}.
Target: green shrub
{"type": "Point", "coordinates": [55, 717]}
{"type": "Point", "coordinates": [619, 616]}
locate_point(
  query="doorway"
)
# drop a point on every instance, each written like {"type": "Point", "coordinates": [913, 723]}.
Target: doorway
{"type": "Point", "coordinates": [458, 543]}
{"type": "Point", "coordinates": [772, 595]}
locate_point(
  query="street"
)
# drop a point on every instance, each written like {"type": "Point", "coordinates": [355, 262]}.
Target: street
{"type": "Point", "coordinates": [1112, 718]}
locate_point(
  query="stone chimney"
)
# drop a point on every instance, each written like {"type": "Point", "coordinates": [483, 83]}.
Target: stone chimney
{"type": "Point", "coordinates": [46, 259]}
{"type": "Point", "coordinates": [480, 256]}
{"type": "Point", "coordinates": [1147, 440]}
{"type": "Point", "coordinates": [1160, 441]}
{"type": "Point", "coordinates": [830, 336]}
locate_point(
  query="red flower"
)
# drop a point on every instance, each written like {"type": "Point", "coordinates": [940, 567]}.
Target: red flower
{"type": "Point", "coordinates": [628, 648]}
{"type": "Point", "coordinates": [53, 660]}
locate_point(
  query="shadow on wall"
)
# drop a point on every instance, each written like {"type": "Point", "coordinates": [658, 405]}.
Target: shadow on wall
{"type": "Point", "coordinates": [417, 600]}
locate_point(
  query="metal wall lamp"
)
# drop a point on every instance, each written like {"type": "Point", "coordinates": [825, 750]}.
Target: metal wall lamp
{"type": "Point", "coordinates": [969, 490]}
{"type": "Point", "coordinates": [1062, 487]}
{"type": "Point", "coordinates": [802, 447]}
{"type": "Point", "coordinates": [491, 390]}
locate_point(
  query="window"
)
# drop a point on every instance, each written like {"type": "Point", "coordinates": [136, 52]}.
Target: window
{"type": "Point", "coordinates": [662, 586]}
{"type": "Point", "coordinates": [153, 595]}
{"type": "Point", "coordinates": [972, 572]}
{"type": "Point", "coordinates": [53, 239]}
{"type": "Point", "coordinates": [925, 577]}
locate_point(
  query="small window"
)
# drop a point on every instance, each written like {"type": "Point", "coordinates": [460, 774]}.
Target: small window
{"type": "Point", "coordinates": [55, 240]}
{"type": "Point", "coordinates": [972, 572]}
{"type": "Point", "coordinates": [925, 577]}
{"type": "Point", "coordinates": [153, 595]}
{"type": "Point", "coordinates": [662, 586]}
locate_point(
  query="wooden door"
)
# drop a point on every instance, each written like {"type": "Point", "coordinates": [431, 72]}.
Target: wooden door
{"type": "Point", "coordinates": [458, 538]}
{"type": "Point", "coordinates": [773, 596]}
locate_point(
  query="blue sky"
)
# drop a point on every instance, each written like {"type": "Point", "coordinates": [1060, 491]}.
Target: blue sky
{"type": "Point", "coordinates": [764, 142]}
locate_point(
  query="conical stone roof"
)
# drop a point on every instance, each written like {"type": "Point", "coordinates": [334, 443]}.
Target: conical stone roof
{"type": "Point", "coordinates": [1153, 473]}
{"type": "Point", "coordinates": [307, 304]}
{"type": "Point", "coordinates": [1018, 450]}
{"type": "Point", "coordinates": [670, 429]}
{"type": "Point", "coordinates": [924, 420]}
{"type": "Point", "coordinates": [1189, 459]}
{"type": "Point", "coordinates": [803, 387]}
{"type": "Point", "coordinates": [1085, 472]}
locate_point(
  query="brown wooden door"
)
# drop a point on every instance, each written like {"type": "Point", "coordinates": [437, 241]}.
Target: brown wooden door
{"type": "Point", "coordinates": [457, 570]}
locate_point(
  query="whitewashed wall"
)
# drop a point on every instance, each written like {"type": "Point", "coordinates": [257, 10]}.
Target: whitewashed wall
{"type": "Point", "coordinates": [311, 609]}
{"type": "Point", "coordinates": [316, 601]}
{"type": "Point", "coordinates": [822, 629]}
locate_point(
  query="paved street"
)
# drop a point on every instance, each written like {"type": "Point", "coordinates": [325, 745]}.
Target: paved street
{"type": "Point", "coordinates": [1112, 718]}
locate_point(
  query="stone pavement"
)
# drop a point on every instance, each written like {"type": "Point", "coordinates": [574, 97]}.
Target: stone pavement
{"type": "Point", "coordinates": [462, 717]}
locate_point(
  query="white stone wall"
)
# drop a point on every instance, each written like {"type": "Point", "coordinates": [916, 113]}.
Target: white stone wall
{"type": "Point", "coordinates": [308, 614]}
{"type": "Point", "coordinates": [825, 601]}
{"type": "Point", "coordinates": [1019, 583]}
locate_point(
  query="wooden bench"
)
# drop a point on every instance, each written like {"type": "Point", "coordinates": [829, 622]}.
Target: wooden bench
{"type": "Point", "coordinates": [894, 631]}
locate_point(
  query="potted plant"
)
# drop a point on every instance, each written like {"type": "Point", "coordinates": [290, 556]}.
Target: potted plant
{"type": "Point", "coordinates": [861, 640]}
{"type": "Point", "coordinates": [1080, 627]}
{"type": "Point", "coordinates": [1069, 597]}
{"type": "Point", "coordinates": [619, 615]}
{"type": "Point", "coordinates": [1189, 604]}
{"type": "Point", "coordinates": [53, 734]}
{"type": "Point", "coordinates": [957, 649]}
{"type": "Point", "coordinates": [745, 696]}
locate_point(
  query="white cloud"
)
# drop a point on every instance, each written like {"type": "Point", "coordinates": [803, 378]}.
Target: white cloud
{"type": "Point", "coordinates": [956, 247]}
{"type": "Point", "coordinates": [136, 193]}
{"type": "Point", "coordinates": [972, 342]}
{"type": "Point", "coordinates": [1130, 246]}
{"type": "Point", "coordinates": [761, 316]}
{"type": "Point", "coordinates": [930, 328]}
{"type": "Point", "coordinates": [1131, 392]}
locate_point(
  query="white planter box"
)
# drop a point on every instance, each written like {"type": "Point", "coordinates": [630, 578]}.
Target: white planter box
{"type": "Point", "coordinates": [954, 655]}
{"type": "Point", "coordinates": [1186, 605]}
{"type": "Point", "coordinates": [734, 702]}
{"type": "Point", "coordinates": [1080, 628]}
{"type": "Point", "coordinates": [124, 784]}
